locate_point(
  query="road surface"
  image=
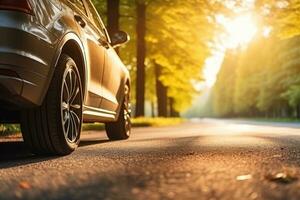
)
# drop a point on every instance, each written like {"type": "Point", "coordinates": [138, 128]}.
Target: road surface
{"type": "Point", "coordinates": [201, 159]}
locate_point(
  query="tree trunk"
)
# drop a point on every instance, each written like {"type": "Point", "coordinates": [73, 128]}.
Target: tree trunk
{"type": "Point", "coordinates": [298, 111]}
{"type": "Point", "coordinates": [161, 94]}
{"type": "Point", "coordinates": [173, 112]}
{"type": "Point", "coordinates": [152, 109]}
{"type": "Point", "coordinates": [113, 16]}
{"type": "Point", "coordinates": [141, 55]}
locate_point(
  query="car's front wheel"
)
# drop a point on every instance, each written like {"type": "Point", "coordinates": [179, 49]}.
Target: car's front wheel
{"type": "Point", "coordinates": [121, 129]}
{"type": "Point", "coordinates": [54, 127]}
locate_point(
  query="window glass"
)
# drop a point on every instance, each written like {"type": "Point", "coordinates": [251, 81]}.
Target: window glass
{"type": "Point", "coordinates": [56, 3]}
{"type": "Point", "coordinates": [95, 17]}
{"type": "Point", "coordinates": [79, 4]}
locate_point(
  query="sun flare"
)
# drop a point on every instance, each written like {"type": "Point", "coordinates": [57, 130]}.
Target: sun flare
{"type": "Point", "coordinates": [239, 31]}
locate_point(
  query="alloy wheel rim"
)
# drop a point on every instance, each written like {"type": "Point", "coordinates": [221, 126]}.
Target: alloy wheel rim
{"type": "Point", "coordinates": [71, 105]}
{"type": "Point", "coordinates": [127, 111]}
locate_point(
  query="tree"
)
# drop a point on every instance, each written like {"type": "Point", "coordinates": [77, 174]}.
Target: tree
{"type": "Point", "coordinates": [224, 89]}
{"type": "Point", "coordinates": [283, 16]}
{"type": "Point", "coordinates": [141, 57]}
{"type": "Point", "coordinates": [290, 70]}
{"type": "Point", "coordinates": [113, 16]}
{"type": "Point", "coordinates": [177, 48]}
{"type": "Point", "coordinates": [101, 6]}
{"type": "Point", "coordinates": [161, 93]}
{"type": "Point", "coordinates": [249, 76]}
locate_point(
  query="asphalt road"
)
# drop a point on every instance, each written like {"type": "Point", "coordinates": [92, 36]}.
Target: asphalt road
{"type": "Point", "coordinates": [203, 159]}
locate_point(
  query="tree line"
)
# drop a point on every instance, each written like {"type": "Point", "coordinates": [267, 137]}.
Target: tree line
{"type": "Point", "coordinates": [169, 44]}
{"type": "Point", "coordinates": [171, 39]}
{"type": "Point", "coordinates": [263, 79]}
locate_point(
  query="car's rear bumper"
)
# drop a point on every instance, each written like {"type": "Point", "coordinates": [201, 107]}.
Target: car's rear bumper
{"type": "Point", "coordinates": [12, 95]}
{"type": "Point", "coordinates": [26, 57]}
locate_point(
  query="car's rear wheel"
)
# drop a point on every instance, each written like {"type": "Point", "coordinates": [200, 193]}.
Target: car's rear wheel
{"type": "Point", "coordinates": [121, 129]}
{"type": "Point", "coordinates": [54, 127]}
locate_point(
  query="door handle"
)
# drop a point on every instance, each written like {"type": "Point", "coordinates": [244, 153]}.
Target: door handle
{"type": "Point", "coordinates": [80, 21]}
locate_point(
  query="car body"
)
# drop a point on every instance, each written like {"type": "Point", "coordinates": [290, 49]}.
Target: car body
{"type": "Point", "coordinates": [35, 35]}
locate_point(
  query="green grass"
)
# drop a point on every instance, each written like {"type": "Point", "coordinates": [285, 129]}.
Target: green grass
{"type": "Point", "coordinates": [138, 122]}
{"type": "Point", "coordinates": [284, 120]}
{"type": "Point", "coordinates": [10, 129]}
{"type": "Point", "coordinates": [277, 119]}
{"type": "Point", "coordinates": [156, 122]}
{"type": "Point", "coordinates": [93, 127]}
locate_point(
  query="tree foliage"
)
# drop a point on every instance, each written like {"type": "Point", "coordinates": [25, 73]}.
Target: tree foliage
{"type": "Point", "coordinates": [266, 73]}
{"type": "Point", "coordinates": [223, 97]}
{"type": "Point", "coordinates": [265, 83]}
{"type": "Point", "coordinates": [177, 39]}
{"type": "Point", "coordinates": [178, 45]}
{"type": "Point", "coordinates": [282, 15]}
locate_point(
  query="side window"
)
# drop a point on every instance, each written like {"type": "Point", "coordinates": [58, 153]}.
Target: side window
{"type": "Point", "coordinates": [95, 17]}
{"type": "Point", "coordinates": [56, 3]}
{"type": "Point", "coordinates": [79, 4]}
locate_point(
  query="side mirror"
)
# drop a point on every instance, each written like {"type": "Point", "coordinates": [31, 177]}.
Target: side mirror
{"type": "Point", "coordinates": [119, 38]}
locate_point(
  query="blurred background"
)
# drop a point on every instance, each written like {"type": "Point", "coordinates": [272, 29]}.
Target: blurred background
{"type": "Point", "coordinates": [210, 58]}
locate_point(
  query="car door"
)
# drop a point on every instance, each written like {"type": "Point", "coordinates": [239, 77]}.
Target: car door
{"type": "Point", "coordinates": [112, 70]}
{"type": "Point", "coordinates": [112, 79]}
{"type": "Point", "coordinates": [95, 53]}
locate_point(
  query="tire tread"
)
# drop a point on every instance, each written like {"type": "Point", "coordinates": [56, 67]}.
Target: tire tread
{"type": "Point", "coordinates": [39, 125]}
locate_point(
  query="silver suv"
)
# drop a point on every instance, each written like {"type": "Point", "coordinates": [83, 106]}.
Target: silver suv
{"type": "Point", "coordinates": [58, 68]}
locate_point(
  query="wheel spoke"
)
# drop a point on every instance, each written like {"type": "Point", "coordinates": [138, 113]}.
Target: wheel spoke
{"type": "Point", "coordinates": [71, 84]}
{"type": "Point", "coordinates": [64, 106]}
{"type": "Point", "coordinates": [68, 127]}
{"type": "Point", "coordinates": [75, 106]}
{"type": "Point", "coordinates": [70, 135]}
{"type": "Point", "coordinates": [66, 118]}
{"type": "Point", "coordinates": [74, 84]}
{"type": "Point", "coordinates": [71, 105]}
{"type": "Point", "coordinates": [74, 95]}
{"type": "Point", "coordinates": [75, 116]}
{"type": "Point", "coordinates": [127, 111]}
{"type": "Point", "coordinates": [72, 125]}
{"type": "Point", "coordinates": [66, 90]}
{"type": "Point", "coordinates": [76, 127]}
{"type": "Point", "coordinates": [76, 123]}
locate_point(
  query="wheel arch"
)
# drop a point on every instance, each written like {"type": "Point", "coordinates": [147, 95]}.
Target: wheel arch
{"type": "Point", "coordinates": [71, 45]}
{"type": "Point", "coordinates": [72, 49]}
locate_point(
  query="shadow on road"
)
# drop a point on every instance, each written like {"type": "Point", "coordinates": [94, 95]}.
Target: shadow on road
{"type": "Point", "coordinates": [13, 150]}
{"type": "Point", "coordinates": [86, 142]}
{"type": "Point", "coordinates": [15, 153]}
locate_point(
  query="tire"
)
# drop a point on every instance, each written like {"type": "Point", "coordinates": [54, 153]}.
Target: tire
{"type": "Point", "coordinates": [121, 129]}
{"type": "Point", "coordinates": [54, 127]}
